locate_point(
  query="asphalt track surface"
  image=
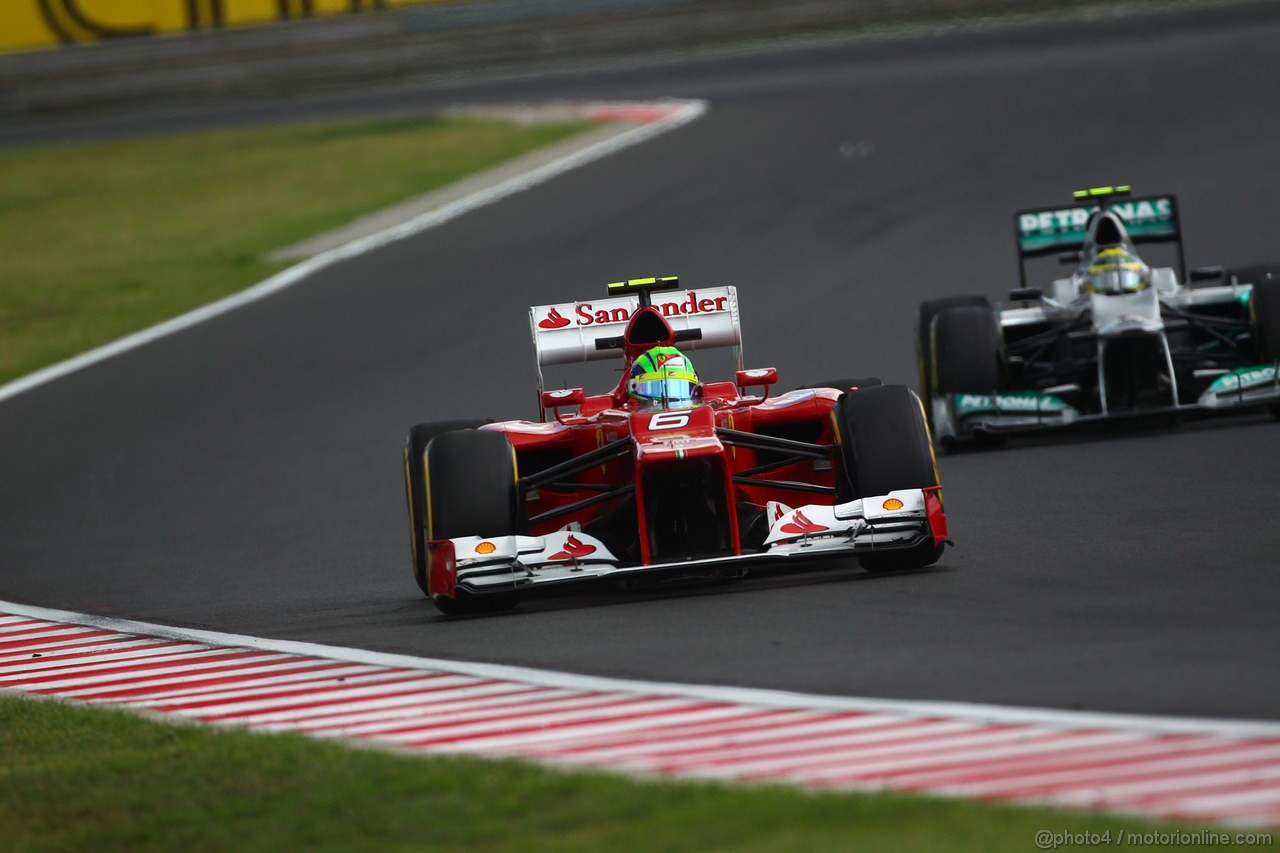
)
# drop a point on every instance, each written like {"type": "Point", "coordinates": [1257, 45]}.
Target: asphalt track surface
{"type": "Point", "coordinates": [245, 475]}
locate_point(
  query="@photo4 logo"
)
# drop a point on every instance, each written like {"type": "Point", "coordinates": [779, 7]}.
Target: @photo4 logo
{"type": "Point", "coordinates": [1046, 839]}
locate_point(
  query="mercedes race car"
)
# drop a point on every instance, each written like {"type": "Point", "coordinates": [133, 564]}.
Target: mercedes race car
{"type": "Point", "coordinates": [1117, 339]}
{"type": "Point", "coordinates": [664, 476]}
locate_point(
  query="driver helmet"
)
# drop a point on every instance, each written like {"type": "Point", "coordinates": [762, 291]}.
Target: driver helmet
{"type": "Point", "coordinates": [664, 377]}
{"type": "Point", "coordinates": [1116, 270]}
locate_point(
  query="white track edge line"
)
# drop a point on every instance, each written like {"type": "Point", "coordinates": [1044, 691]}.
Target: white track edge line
{"type": "Point", "coordinates": [683, 112]}
{"type": "Point", "coordinates": [977, 712]}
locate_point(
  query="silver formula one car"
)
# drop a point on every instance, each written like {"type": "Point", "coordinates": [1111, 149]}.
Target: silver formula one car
{"type": "Point", "coordinates": [1115, 340]}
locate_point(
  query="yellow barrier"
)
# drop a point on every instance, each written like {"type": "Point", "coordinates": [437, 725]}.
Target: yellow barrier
{"type": "Point", "coordinates": [33, 24]}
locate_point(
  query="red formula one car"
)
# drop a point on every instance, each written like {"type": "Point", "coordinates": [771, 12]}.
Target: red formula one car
{"type": "Point", "coordinates": [666, 476]}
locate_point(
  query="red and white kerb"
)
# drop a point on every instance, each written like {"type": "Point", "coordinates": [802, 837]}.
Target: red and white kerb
{"type": "Point", "coordinates": [1197, 770]}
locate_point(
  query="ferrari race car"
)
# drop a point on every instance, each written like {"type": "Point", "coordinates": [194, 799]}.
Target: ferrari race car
{"type": "Point", "coordinates": [1115, 340]}
{"type": "Point", "coordinates": [665, 477]}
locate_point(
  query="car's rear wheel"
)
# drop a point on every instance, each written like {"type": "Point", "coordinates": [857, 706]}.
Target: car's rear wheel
{"type": "Point", "coordinates": [471, 489]}
{"type": "Point", "coordinates": [924, 337]}
{"type": "Point", "coordinates": [885, 445]}
{"type": "Point", "coordinates": [415, 448]}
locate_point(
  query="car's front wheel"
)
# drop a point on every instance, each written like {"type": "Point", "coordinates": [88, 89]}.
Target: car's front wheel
{"type": "Point", "coordinates": [884, 446]}
{"type": "Point", "coordinates": [415, 449]}
{"type": "Point", "coordinates": [1264, 309]}
{"type": "Point", "coordinates": [924, 338]}
{"type": "Point", "coordinates": [1264, 313]}
{"type": "Point", "coordinates": [967, 359]}
{"type": "Point", "coordinates": [966, 352]}
{"type": "Point", "coordinates": [471, 486]}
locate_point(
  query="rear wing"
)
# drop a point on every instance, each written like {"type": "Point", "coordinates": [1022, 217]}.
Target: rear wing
{"type": "Point", "coordinates": [575, 332]}
{"type": "Point", "coordinates": [572, 332]}
{"type": "Point", "coordinates": [1042, 231]}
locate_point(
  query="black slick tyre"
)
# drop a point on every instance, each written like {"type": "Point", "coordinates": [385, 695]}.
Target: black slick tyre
{"type": "Point", "coordinates": [885, 445]}
{"type": "Point", "coordinates": [1264, 309]}
{"type": "Point", "coordinates": [967, 359]}
{"type": "Point", "coordinates": [1264, 313]}
{"type": "Point", "coordinates": [471, 490]}
{"type": "Point", "coordinates": [415, 448]}
{"type": "Point", "coordinates": [966, 352]}
{"type": "Point", "coordinates": [924, 337]}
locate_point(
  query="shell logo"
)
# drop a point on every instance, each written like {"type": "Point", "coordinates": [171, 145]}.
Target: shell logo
{"type": "Point", "coordinates": [486, 548]}
{"type": "Point", "coordinates": [892, 504]}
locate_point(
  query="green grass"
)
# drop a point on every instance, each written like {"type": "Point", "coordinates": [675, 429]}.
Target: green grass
{"type": "Point", "coordinates": [100, 240]}
{"type": "Point", "coordinates": [80, 778]}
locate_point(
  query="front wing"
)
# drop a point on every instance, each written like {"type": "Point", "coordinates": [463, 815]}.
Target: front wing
{"type": "Point", "coordinates": [900, 520]}
{"type": "Point", "coordinates": [960, 416]}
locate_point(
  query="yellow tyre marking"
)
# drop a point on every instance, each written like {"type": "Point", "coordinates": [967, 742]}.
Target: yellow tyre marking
{"type": "Point", "coordinates": [408, 491]}
{"type": "Point", "coordinates": [933, 457]}
{"type": "Point", "coordinates": [426, 490]}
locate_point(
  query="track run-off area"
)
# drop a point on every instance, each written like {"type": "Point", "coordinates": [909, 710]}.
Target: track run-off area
{"type": "Point", "coordinates": [1197, 770]}
{"type": "Point", "coordinates": [243, 476]}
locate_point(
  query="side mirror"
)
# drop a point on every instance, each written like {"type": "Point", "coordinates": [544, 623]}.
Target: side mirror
{"type": "Point", "coordinates": [752, 378]}
{"type": "Point", "coordinates": [1205, 273]}
{"type": "Point", "coordinates": [1070, 258]}
{"type": "Point", "coordinates": [1026, 294]}
{"type": "Point", "coordinates": [565, 397]}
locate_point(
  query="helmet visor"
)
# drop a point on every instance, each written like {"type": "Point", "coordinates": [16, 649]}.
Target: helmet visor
{"type": "Point", "coordinates": [666, 389]}
{"type": "Point", "coordinates": [1120, 273]}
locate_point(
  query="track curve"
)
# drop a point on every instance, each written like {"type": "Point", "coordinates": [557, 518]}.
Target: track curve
{"type": "Point", "coordinates": [244, 475]}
